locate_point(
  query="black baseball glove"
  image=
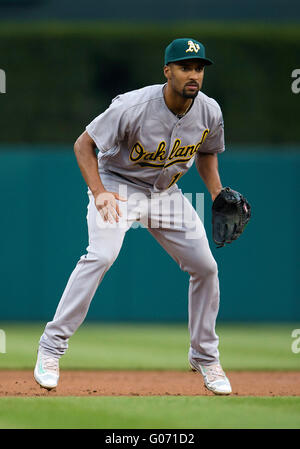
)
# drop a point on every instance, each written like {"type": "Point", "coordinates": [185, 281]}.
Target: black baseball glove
{"type": "Point", "coordinates": [231, 213]}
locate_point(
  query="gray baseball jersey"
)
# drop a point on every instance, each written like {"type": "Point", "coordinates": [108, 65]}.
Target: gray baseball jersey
{"type": "Point", "coordinates": [139, 138]}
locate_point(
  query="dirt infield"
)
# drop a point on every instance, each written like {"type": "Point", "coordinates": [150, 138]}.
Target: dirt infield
{"type": "Point", "coordinates": [149, 383]}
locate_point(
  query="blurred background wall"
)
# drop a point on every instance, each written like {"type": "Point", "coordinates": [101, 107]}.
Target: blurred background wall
{"type": "Point", "coordinates": [151, 10]}
{"type": "Point", "coordinates": [64, 62]}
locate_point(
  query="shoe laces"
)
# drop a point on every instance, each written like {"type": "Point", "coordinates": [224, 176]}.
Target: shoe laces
{"type": "Point", "coordinates": [214, 372]}
{"type": "Point", "coordinates": [50, 364]}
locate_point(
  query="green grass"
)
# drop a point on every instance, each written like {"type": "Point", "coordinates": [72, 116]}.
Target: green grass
{"type": "Point", "coordinates": [146, 346]}
{"type": "Point", "coordinates": [150, 412]}
{"type": "Point", "coordinates": [142, 347]}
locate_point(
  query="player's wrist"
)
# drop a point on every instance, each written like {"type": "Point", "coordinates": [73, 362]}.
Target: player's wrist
{"type": "Point", "coordinates": [215, 193]}
{"type": "Point", "coordinates": [97, 191]}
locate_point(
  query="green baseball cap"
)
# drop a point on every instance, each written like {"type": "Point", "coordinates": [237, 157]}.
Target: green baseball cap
{"type": "Point", "coordinates": [185, 48]}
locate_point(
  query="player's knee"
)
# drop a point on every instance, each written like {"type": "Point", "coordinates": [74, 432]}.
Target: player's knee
{"type": "Point", "coordinates": [206, 268]}
{"type": "Point", "coordinates": [106, 259]}
{"type": "Point", "coordinates": [101, 259]}
{"type": "Point", "coordinates": [212, 268]}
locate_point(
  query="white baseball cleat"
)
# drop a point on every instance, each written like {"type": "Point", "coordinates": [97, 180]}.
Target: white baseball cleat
{"type": "Point", "coordinates": [46, 371]}
{"type": "Point", "coordinates": [214, 377]}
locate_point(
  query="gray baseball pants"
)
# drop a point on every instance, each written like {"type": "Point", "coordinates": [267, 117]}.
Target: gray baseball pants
{"type": "Point", "coordinates": [174, 223]}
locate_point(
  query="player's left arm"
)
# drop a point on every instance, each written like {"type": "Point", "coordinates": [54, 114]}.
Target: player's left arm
{"type": "Point", "coordinates": [207, 166]}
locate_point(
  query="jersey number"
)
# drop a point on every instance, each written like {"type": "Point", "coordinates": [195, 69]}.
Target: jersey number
{"type": "Point", "coordinates": [175, 178]}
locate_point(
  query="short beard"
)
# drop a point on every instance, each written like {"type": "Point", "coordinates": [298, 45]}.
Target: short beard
{"type": "Point", "coordinates": [191, 95]}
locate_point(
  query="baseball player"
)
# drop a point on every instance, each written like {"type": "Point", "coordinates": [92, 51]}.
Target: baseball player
{"type": "Point", "coordinates": [146, 140]}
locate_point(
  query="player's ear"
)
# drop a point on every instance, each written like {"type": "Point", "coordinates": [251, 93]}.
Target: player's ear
{"type": "Point", "coordinates": [167, 71]}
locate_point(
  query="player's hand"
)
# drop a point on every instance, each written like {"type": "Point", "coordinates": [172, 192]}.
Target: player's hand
{"type": "Point", "coordinates": [106, 203]}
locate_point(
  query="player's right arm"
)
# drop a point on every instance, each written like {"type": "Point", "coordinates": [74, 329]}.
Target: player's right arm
{"type": "Point", "coordinates": [84, 149]}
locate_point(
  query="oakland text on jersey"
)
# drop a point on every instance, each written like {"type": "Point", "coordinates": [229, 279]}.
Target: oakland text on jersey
{"type": "Point", "coordinates": [179, 154]}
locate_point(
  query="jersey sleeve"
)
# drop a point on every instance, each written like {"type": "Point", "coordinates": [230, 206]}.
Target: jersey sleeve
{"type": "Point", "coordinates": [110, 127]}
{"type": "Point", "coordinates": [214, 142]}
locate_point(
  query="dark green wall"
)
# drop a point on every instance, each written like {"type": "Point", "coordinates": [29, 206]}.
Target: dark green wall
{"type": "Point", "coordinates": [43, 230]}
{"type": "Point", "coordinates": [150, 10]}
{"type": "Point", "coordinates": [60, 76]}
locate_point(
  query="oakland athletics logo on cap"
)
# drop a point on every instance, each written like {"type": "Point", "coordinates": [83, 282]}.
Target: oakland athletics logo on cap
{"type": "Point", "coordinates": [193, 47]}
{"type": "Point", "coordinates": [186, 48]}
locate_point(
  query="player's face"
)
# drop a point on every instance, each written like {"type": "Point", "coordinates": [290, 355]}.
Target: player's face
{"type": "Point", "coordinates": [185, 77]}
